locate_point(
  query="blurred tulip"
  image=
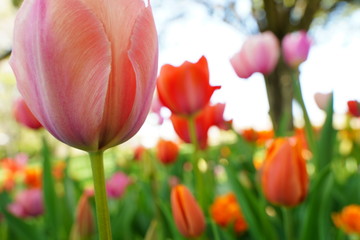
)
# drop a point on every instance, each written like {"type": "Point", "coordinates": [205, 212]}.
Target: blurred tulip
{"type": "Point", "coordinates": [284, 177]}
{"type": "Point", "coordinates": [84, 225]}
{"type": "Point", "coordinates": [295, 48]}
{"type": "Point", "coordinates": [88, 79]}
{"type": "Point", "coordinates": [226, 212]}
{"type": "Point", "coordinates": [117, 184]}
{"type": "Point", "coordinates": [322, 100]}
{"type": "Point", "coordinates": [139, 152]}
{"type": "Point", "coordinates": [259, 53]}
{"type": "Point", "coordinates": [167, 151]}
{"type": "Point", "coordinates": [58, 170]}
{"type": "Point", "coordinates": [185, 89]}
{"type": "Point", "coordinates": [33, 177]}
{"type": "Point", "coordinates": [348, 219]}
{"type": "Point", "coordinates": [187, 214]}
{"type": "Point", "coordinates": [24, 116]}
{"type": "Point", "coordinates": [354, 108]}
{"type": "Point", "coordinates": [218, 120]}
{"type": "Point", "coordinates": [28, 203]}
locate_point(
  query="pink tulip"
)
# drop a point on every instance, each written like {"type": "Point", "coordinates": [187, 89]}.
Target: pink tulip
{"type": "Point", "coordinates": [259, 53]}
{"type": "Point", "coordinates": [295, 48]}
{"type": "Point", "coordinates": [117, 184]}
{"type": "Point", "coordinates": [322, 100]}
{"type": "Point", "coordinates": [86, 69]}
{"type": "Point", "coordinates": [24, 116]}
{"type": "Point", "coordinates": [28, 203]}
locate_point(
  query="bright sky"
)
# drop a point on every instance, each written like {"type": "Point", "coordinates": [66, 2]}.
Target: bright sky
{"type": "Point", "coordinates": [333, 63]}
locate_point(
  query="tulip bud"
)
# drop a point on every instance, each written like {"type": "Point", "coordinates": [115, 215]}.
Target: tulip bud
{"type": "Point", "coordinates": [185, 89]}
{"type": "Point", "coordinates": [28, 203]}
{"type": "Point", "coordinates": [187, 214]}
{"type": "Point", "coordinates": [322, 100]}
{"type": "Point", "coordinates": [295, 48]}
{"type": "Point", "coordinates": [90, 77]}
{"type": "Point", "coordinates": [259, 53]}
{"type": "Point", "coordinates": [284, 177]}
{"type": "Point", "coordinates": [117, 184]}
{"type": "Point", "coordinates": [84, 225]}
{"type": "Point", "coordinates": [24, 116]}
{"type": "Point", "coordinates": [167, 151]}
{"type": "Point", "coordinates": [348, 219]}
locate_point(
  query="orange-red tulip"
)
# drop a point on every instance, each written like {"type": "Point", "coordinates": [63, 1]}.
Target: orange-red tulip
{"type": "Point", "coordinates": [24, 116]}
{"type": "Point", "coordinates": [86, 69]}
{"type": "Point", "coordinates": [187, 214]}
{"type": "Point", "coordinates": [283, 175]}
{"type": "Point", "coordinates": [354, 108]}
{"type": "Point", "coordinates": [84, 225]}
{"type": "Point", "coordinates": [348, 219]}
{"type": "Point", "coordinates": [167, 151]}
{"type": "Point", "coordinates": [185, 89]}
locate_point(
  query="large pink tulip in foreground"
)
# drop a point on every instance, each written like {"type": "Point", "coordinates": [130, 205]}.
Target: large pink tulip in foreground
{"type": "Point", "coordinates": [87, 71]}
{"type": "Point", "coordinates": [86, 68]}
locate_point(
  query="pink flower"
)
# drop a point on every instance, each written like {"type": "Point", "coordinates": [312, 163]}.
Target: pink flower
{"type": "Point", "coordinates": [86, 69]}
{"type": "Point", "coordinates": [24, 116]}
{"type": "Point", "coordinates": [117, 184]}
{"type": "Point", "coordinates": [295, 48]}
{"type": "Point", "coordinates": [322, 100]}
{"type": "Point", "coordinates": [28, 203]}
{"type": "Point", "coordinates": [259, 53]}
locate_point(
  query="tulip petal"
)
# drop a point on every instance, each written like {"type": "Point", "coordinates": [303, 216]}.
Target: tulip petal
{"type": "Point", "coordinates": [131, 30]}
{"type": "Point", "coordinates": [61, 60]}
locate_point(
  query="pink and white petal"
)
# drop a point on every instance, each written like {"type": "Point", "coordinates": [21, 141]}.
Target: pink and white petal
{"type": "Point", "coordinates": [143, 54]}
{"type": "Point", "coordinates": [61, 60]}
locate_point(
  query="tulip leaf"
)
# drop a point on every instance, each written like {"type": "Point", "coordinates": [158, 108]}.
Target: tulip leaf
{"type": "Point", "coordinates": [259, 225]}
{"type": "Point", "coordinates": [52, 225]}
{"type": "Point", "coordinates": [325, 209]}
{"type": "Point", "coordinates": [327, 136]}
{"type": "Point", "coordinates": [310, 227]}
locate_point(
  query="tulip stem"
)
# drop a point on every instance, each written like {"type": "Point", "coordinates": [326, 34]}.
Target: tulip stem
{"type": "Point", "coordinates": [198, 176]}
{"type": "Point", "coordinates": [102, 211]}
{"type": "Point", "coordinates": [288, 223]}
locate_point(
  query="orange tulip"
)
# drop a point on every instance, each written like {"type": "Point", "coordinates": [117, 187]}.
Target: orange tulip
{"type": "Point", "coordinates": [348, 219]}
{"type": "Point", "coordinates": [185, 89]}
{"type": "Point", "coordinates": [187, 214]}
{"type": "Point", "coordinates": [225, 211]}
{"type": "Point", "coordinates": [84, 225]}
{"type": "Point", "coordinates": [283, 175]}
{"type": "Point", "coordinates": [33, 177]}
{"type": "Point", "coordinates": [167, 151]}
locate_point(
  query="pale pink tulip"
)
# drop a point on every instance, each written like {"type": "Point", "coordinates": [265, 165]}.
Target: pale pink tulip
{"type": "Point", "coordinates": [86, 68]}
{"type": "Point", "coordinates": [295, 48]}
{"type": "Point", "coordinates": [24, 116]}
{"type": "Point", "coordinates": [259, 53]}
{"type": "Point", "coordinates": [322, 100]}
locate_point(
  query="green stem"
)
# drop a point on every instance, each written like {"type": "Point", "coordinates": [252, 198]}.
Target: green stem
{"type": "Point", "coordinates": [102, 211]}
{"type": "Point", "coordinates": [308, 126]}
{"type": "Point", "coordinates": [288, 223]}
{"type": "Point", "coordinates": [199, 186]}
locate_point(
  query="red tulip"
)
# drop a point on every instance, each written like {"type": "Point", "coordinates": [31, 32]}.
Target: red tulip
{"type": "Point", "coordinates": [167, 151]}
{"type": "Point", "coordinates": [283, 174]}
{"type": "Point", "coordinates": [185, 89]}
{"type": "Point", "coordinates": [354, 108]}
{"type": "Point", "coordinates": [259, 53]}
{"type": "Point", "coordinates": [24, 116]}
{"type": "Point", "coordinates": [187, 214]}
{"type": "Point", "coordinates": [295, 48]}
{"type": "Point", "coordinates": [86, 69]}
{"type": "Point", "coordinates": [84, 225]}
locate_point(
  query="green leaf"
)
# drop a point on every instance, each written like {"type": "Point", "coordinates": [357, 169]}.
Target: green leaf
{"type": "Point", "coordinates": [327, 137]}
{"type": "Point", "coordinates": [52, 225]}
{"type": "Point", "coordinates": [258, 222]}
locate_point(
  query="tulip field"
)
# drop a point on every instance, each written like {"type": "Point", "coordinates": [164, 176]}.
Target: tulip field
{"type": "Point", "coordinates": [85, 79]}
